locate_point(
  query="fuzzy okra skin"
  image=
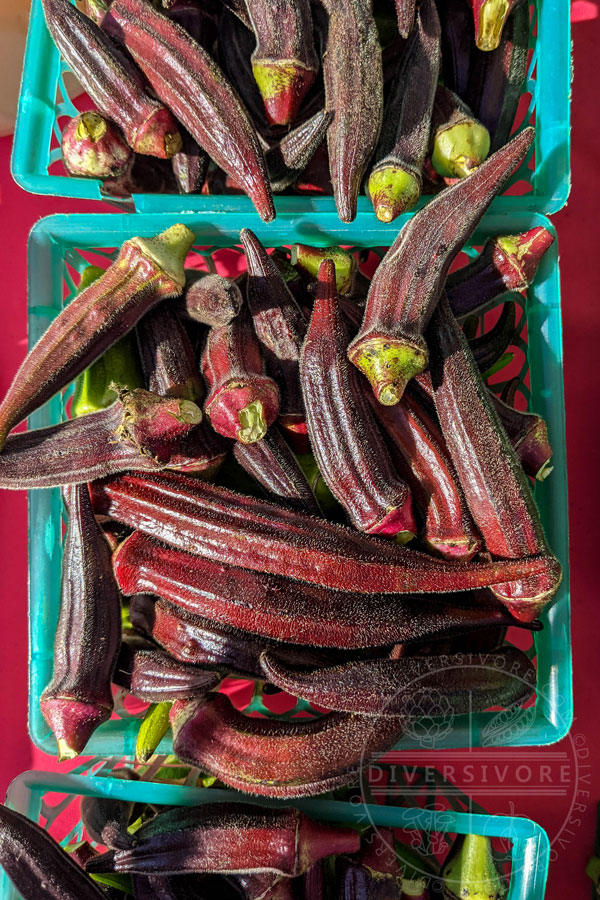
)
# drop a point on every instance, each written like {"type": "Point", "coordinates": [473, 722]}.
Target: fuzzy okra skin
{"type": "Point", "coordinates": [288, 158]}
{"type": "Point", "coordinates": [37, 865]}
{"type": "Point", "coordinates": [264, 537]}
{"type": "Point", "coordinates": [472, 682]}
{"type": "Point", "coordinates": [344, 436]}
{"type": "Point", "coordinates": [153, 676]}
{"type": "Point", "coordinates": [528, 434]}
{"type": "Point", "coordinates": [395, 180]}
{"type": "Point", "coordinates": [459, 142]}
{"type": "Point", "coordinates": [426, 466]}
{"type": "Point", "coordinates": [506, 263]}
{"type": "Point", "coordinates": [190, 165]}
{"type": "Point", "coordinates": [167, 357]}
{"type": "Point", "coordinates": [146, 271]}
{"type": "Point", "coordinates": [284, 62]}
{"type": "Point", "coordinates": [210, 299]}
{"type": "Point", "coordinates": [280, 609]}
{"type": "Point", "coordinates": [389, 348]}
{"type": "Point", "coordinates": [279, 326]}
{"type": "Point", "coordinates": [496, 488]}
{"type": "Point", "coordinates": [186, 78]}
{"type": "Point", "coordinates": [112, 80]}
{"type": "Point", "coordinates": [242, 400]}
{"type": "Point", "coordinates": [232, 838]}
{"type": "Point", "coordinates": [278, 759]}
{"type": "Point", "coordinates": [351, 59]}
{"type": "Point", "coordinates": [140, 432]}
{"type": "Point", "coordinates": [94, 147]}
{"type": "Point", "coordinates": [78, 698]}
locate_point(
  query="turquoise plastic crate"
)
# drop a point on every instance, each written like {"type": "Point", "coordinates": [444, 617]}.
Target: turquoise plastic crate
{"type": "Point", "coordinates": [44, 100]}
{"type": "Point", "coordinates": [55, 247]}
{"type": "Point", "coordinates": [529, 851]}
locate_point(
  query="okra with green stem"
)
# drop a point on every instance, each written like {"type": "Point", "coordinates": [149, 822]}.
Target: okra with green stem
{"type": "Point", "coordinates": [78, 698]}
{"type": "Point", "coordinates": [280, 609]}
{"type": "Point", "coordinates": [284, 62]}
{"type": "Point", "coordinates": [395, 180]}
{"type": "Point", "coordinates": [344, 436]}
{"type": "Point", "coordinates": [471, 871]}
{"type": "Point", "coordinates": [188, 80]}
{"type": "Point", "coordinates": [264, 537]}
{"type": "Point", "coordinates": [495, 486]}
{"type": "Point", "coordinates": [390, 349]}
{"type": "Point", "coordinates": [242, 401]}
{"type": "Point", "coordinates": [167, 357]}
{"type": "Point", "coordinates": [146, 271]}
{"type": "Point", "coordinates": [307, 260]}
{"type": "Point", "coordinates": [459, 142]}
{"type": "Point", "coordinates": [112, 81]}
{"type": "Point", "coordinates": [489, 17]}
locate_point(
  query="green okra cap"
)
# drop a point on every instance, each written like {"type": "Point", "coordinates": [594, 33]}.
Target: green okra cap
{"type": "Point", "coordinates": [460, 149]}
{"type": "Point", "coordinates": [470, 871]}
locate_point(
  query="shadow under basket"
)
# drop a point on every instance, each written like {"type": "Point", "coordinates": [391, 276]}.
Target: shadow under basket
{"type": "Point", "coordinates": [541, 184]}
{"type": "Point", "coordinates": [52, 800]}
{"type": "Point", "coordinates": [61, 246]}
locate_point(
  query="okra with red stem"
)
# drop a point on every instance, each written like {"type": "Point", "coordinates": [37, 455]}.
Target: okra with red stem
{"type": "Point", "coordinates": [273, 465]}
{"type": "Point", "coordinates": [284, 62]}
{"type": "Point", "coordinates": [390, 349]}
{"type": "Point", "coordinates": [489, 18]}
{"type": "Point", "coordinates": [278, 759]}
{"type": "Point", "coordinates": [265, 537]}
{"type": "Point", "coordinates": [94, 147]}
{"type": "Point", "coordinates": [489, 347]}
{"type": "Point", "coordinates": [112, 81]}
{"type": "Point", "coordinates": [344, 436]}
{"type": "Point", "coordinates": [232, 838]}
{"type": "Point", "coordinates": [351, 60]}
{"type": "Point", "coordinates": [426, 467]}
{"type": "Point", "coordinates": [155, 677]}
{"type": "Point", "coordinates": [472, 682]}
{"type": "Point", "coordinates": [242, 400]}
{"type": "Point", "coordinates": [459, 142]}
{"type": "Point", "coordinates": [283, 610]}
{"type": "Point", "coordinates": [146, 271]}
{"type": "Point", "coordinates": [210, 299]}
{"type": "Point", "coordinates": [495, 486]}
{"type": "Point", "coordinates": [506, 263]}
{"type": "Point", "coordinates": [139, 432]}
{"type": "Point", "coordinates": [188, 80]}
{"type": "Point", "coordinates": [78, 698]}
{"type": "Point", "coordinates": [279, 326]}
{"type": "Point", "coordinates": [395, 180]}
{"type": "Point", "coordinates": [528, 434]}
{"type": "Point", "coordinates": [497, 78]}
{"type": "Point", "coordinates": [37, 865]}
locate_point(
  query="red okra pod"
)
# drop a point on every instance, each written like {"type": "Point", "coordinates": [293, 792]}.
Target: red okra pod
{"type": "Point", "coordinates": [347, 445]}
{"type": "Point", "coordinates": [395, 180]}
{"type": "Point", "coordinates": [284, 62]}
{"type": "Point", "coordinates": [273, 465]}
{"type": "Point", "coordinates": [459, 142]}
{"type": "Point", "coordinates": [497, 78]}
{"type": "Point", "coordinates": [78, 698]}
{"type": "Point", "coordinates": [279, 326]}
{"type": "Point", "coordinates": [210, 299]}
{"type": "Point", "coordinates": [471, 682]}
{"type": "Point", "coordinates": [232, 838]}
{"type": "Point", "coordinates": [37, 865]}
{"type": "Point", "coordinates": [389, 349]}
{"type": "Point", "coordinates": [283, 610]}
{"type": "Point", "coordinates": [427, 468]}
{"type": "Point", "coordinates": [235, 45]}
{"type": "Point", "coordinates": [140, 432]}
{"type": "Point", "coordinates": [242, 400]}
{"type": "Point", "coordinates": [112, 80]}
{"type": "Point", "coordinates": [496, 488]}
{"type": "Point", "coordinates": [351, 59]}
{"type": "Point", "coordinates": [405, 10]}
{"type": "Point", "coordinates": [288, 158]}
{"type": "Point", "coordinates": [237, 530]}
{"type": "Point", "coordinates": [155, 677]}
{"type": "Point", "coordinates": [146, 271]}
{"type": "Point", "coordinates": [94, 147]}
{"type": "Point", "coordinates": [489, 17]}
{"type": "Point", "coordinates": [528, 434]}
{"type": "Point", "coordinates": [506, 263]}
{"type": "Point", "coordinates": [186, 78]}
{"type": "Point", "coordinates": [279, 759]}
{"type": "Point", "coordinates": [190, 165]}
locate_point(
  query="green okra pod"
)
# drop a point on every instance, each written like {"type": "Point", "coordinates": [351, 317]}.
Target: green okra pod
{"type": "Point", "coordinates": [153, 728]}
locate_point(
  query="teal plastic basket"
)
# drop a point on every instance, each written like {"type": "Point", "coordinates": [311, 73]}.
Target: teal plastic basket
{"type": "Point", "coordinates": [59, 246]}
{"type": "Point", "coordinates": [45, 795]}
{"type": "Point", "coordinates": [540, 185]}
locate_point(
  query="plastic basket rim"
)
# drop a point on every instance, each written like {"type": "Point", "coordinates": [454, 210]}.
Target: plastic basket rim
{"type": "Point", "coordinates": [552, 139]}
{"type": "Point", "coordinates": [46, 233]}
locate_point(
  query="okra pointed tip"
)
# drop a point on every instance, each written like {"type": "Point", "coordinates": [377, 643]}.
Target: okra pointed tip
{"type": "Point", "coordinates": [392, 191]}
{"type": "Point", "coordinates": [489, 26]}
{"type": "Point", "coordinates": [72, 721]}
{"type": "Point", "coordinates": [282, 87]}
{"type": "Point", "coordinates": [253, 425]}
{"type": "Point", "coordinates": [64, 752]}
{"type": "Point", "coordinates": [543, 473]}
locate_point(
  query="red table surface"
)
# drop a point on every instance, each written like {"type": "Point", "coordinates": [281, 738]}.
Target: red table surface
{"type": "Point", "coordinates": [577, 227]}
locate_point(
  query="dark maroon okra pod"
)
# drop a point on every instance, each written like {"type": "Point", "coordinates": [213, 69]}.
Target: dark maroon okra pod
{"type": "Point", "coordinates": [210, 299]}
{"type": "Point", "coordinates": [88, 636]}
{"type": "Point", "coordinates": [345, 440]}
{"type": "Point", "coordinates": [155, 677]}
{"type": "Point", "coordinates": [528, 434]}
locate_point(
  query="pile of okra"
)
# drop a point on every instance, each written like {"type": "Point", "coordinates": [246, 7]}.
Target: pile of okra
{"type": "Point", "coordinates": [308, 96]}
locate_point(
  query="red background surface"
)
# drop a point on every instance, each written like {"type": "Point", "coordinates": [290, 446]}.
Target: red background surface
{"type": "Point", "coordinates": [578, 230]}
